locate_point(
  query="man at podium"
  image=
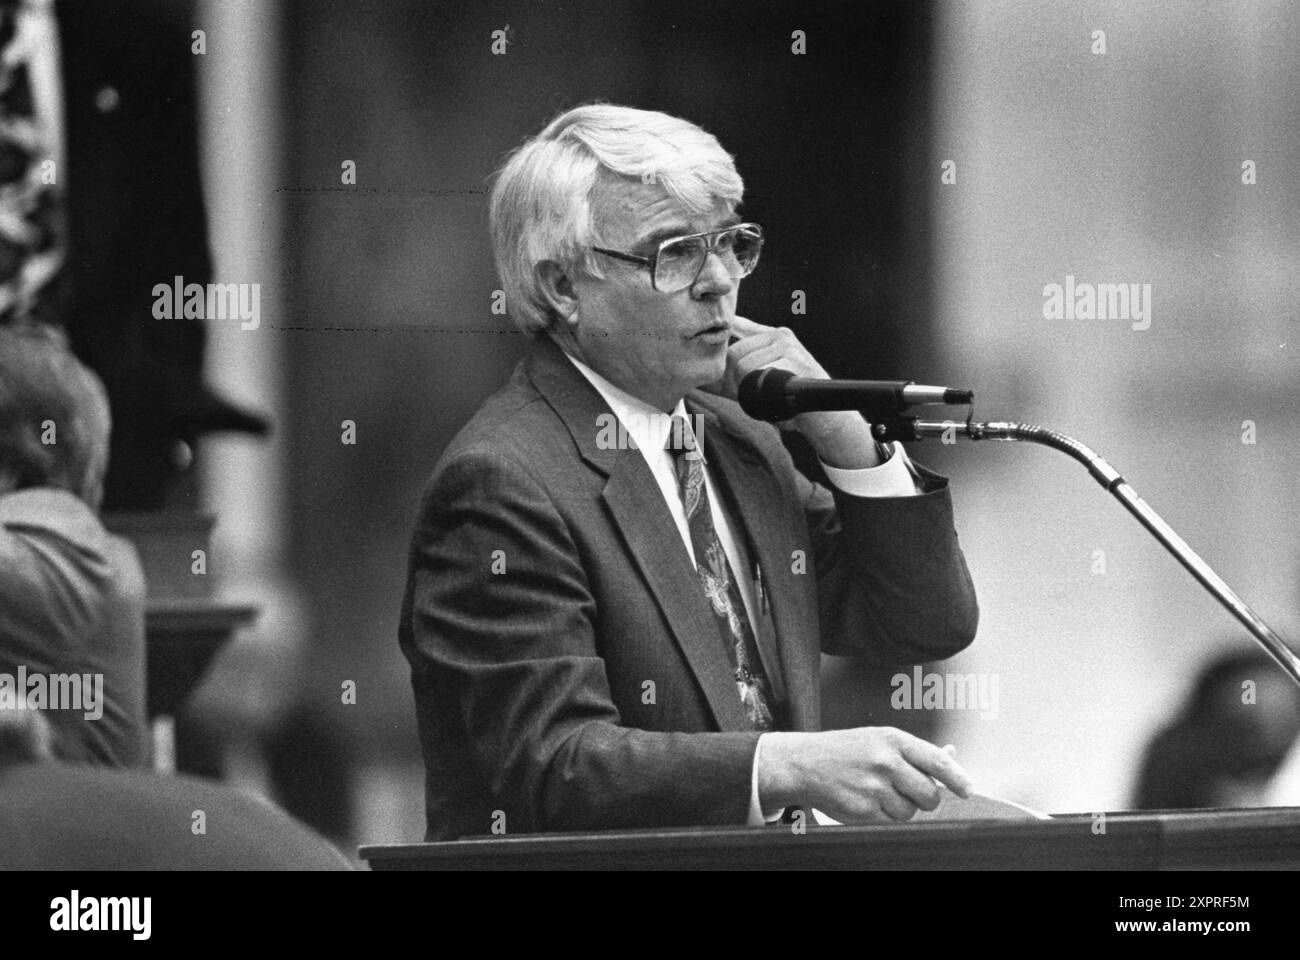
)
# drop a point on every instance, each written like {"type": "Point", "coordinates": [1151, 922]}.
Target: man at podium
{"type": "Point", "coordinates": [619, 584]}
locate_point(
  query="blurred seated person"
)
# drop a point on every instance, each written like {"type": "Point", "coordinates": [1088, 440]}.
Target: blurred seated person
{"type": "Point", "coordinates": [71, 594]}
{"type": "Point", "coordinates": [132, 820]}
{"type": "Point", "coordinates": [1284, 788]}
{"type": "Point", "coordinates": [1228, 744]}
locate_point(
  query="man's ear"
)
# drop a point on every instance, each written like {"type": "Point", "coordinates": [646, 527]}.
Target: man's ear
{"type": "Point", "coordinates": [557, 289]}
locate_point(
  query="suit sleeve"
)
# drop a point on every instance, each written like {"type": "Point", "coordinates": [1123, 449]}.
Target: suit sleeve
{"type": "Point", "coordinates": [892, 582]}
{"type": "Point", "coordinates": [515, 651]}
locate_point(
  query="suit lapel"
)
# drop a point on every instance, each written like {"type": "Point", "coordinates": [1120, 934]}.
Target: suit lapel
{"type": "Point", "coordinates": [789, 654]}
{"type": "Point", "coordinates": [638, 509]}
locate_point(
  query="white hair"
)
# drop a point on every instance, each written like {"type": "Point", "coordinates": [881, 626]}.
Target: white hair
{"type": "Point", "coordinates": [542, 207]}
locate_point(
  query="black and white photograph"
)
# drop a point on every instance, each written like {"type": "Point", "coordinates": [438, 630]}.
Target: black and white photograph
{"type": "Point", "coordinates": [647, 435]}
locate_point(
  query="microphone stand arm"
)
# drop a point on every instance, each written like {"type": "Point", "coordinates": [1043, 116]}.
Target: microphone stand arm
{"type": "Point", "coordinates": [911, 428]}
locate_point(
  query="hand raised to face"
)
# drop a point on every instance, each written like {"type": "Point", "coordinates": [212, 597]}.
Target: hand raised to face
{"type": "Point", "coordinates": [755, 346]}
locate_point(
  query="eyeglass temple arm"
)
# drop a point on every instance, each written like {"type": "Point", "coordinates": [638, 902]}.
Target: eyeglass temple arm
{"type": "Point", "coordinates": [630, 258]}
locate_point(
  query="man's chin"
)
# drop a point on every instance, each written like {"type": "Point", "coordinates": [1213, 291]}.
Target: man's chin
{"type": "Point", "coordinates": [712, 377]}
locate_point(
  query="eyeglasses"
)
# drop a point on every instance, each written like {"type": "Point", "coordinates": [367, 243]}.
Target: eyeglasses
{"type": "Point", "coordinates": [678, 261]}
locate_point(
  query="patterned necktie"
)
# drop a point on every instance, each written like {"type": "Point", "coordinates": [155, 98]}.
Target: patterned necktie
{"type": "Point", "coordinates": [33, 239]}
{"type": "Point", "coordinates": [716, 577]}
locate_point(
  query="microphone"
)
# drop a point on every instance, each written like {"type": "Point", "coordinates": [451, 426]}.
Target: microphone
{"type": "Point", "coordinates": [774, 394]}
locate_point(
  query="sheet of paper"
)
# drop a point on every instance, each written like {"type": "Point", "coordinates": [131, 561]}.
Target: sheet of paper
{"type": "Point", "coordinates": [978, 806]}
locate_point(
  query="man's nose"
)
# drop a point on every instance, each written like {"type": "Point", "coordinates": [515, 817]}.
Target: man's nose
{"type": "Point", "coordinates": [714, 279]}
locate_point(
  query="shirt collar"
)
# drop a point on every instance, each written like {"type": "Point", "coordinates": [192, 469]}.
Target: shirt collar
{"type": "Point", "coordinates": [645, 424]}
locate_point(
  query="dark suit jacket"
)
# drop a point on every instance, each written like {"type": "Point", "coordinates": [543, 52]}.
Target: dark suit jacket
{"type": "Point", "coordinates": [583, 686]}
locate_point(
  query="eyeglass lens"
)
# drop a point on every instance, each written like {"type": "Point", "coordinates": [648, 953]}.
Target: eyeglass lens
{"type": "Point", "coordinates": [680, 261]}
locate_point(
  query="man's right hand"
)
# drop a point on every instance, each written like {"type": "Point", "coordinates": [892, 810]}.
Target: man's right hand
{"type": "Point", "coordinates": [863, 775]}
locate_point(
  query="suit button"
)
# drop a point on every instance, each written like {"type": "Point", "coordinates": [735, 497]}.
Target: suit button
{"type": "Point", "coordinates": [107, 98]}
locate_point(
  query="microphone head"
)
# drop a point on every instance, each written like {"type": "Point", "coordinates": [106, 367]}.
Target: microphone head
{"type": "Point", "coordinates": [762, 394]}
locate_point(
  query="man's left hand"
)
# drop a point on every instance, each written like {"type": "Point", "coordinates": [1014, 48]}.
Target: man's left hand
{"type": "Point", "coordinates": [842, 438]}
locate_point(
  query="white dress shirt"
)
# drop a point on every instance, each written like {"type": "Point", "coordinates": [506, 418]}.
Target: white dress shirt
{"type": "Point", "coordinates": [649, 428]}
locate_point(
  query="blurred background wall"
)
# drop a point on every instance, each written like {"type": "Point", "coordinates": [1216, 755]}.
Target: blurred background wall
{"type": "Point", "coordinates": [1115, 167]}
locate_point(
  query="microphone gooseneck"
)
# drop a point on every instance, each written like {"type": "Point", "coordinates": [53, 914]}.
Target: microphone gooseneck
{"type": "Point", "coordinates": [1110, 479]}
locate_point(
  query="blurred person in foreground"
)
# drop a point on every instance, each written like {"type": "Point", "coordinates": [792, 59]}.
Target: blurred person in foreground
{"type": "Point", "coordinates": [1233, 743]}
{"type": "Point", "coordinates": [71, 594]}
{"type": "Point", "coordinates": [619, 584]}
{"type": "Point", "coordinates": [73, 816]}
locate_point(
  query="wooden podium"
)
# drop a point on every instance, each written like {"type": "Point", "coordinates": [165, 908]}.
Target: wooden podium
{"type": "Point", "coordinates": [1150, 840]}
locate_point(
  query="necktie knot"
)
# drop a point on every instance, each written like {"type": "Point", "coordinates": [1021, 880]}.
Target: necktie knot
{"type": "Point", "coordinates": [682, 441]}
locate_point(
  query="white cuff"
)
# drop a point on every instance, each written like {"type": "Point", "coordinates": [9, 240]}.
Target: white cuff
{"type": "Point", "coordinates": [756, 818]}
{"type": "Point", "coordinates": [893, 478]}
